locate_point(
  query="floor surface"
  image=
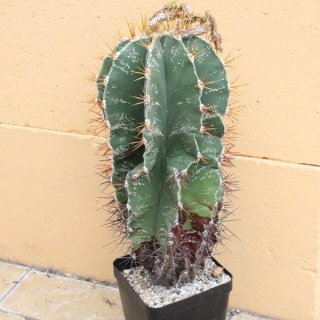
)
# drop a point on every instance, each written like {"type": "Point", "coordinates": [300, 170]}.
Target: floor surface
{"type": "Point", "coordinates": [30, 294]}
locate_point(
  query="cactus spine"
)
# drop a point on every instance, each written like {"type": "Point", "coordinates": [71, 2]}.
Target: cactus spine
{"type": "Point", "coordinates": [163, 94]}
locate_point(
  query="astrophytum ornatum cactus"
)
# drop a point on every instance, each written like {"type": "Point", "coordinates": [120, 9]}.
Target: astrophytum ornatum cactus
{"type": "Point", "coordinates": [163, 94]}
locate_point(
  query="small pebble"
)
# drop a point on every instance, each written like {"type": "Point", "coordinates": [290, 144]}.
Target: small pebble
{"type": "Point", "coordinates": [217, 272]}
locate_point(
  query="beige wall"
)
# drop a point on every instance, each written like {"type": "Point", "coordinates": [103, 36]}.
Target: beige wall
{"type": "Point", "coordinates": [48, 186]}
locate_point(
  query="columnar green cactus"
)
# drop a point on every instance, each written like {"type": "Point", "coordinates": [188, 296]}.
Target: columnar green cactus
{"type": "Point", "coordinates": [163, 94]}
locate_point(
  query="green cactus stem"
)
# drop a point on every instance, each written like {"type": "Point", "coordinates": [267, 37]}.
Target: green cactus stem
{"type": "Point", "coordinates": [163, 95]}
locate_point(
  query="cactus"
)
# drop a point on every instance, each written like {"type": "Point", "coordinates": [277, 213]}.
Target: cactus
{"type": "Point", "coordinates": [163, 94]}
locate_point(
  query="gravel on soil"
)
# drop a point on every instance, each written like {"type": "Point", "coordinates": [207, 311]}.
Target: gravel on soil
{"type": "Point", "coordinates": [156, 296]}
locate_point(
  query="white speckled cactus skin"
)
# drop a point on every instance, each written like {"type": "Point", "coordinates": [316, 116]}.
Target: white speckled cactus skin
{"type": "Point", "coordinates": [163, 94]}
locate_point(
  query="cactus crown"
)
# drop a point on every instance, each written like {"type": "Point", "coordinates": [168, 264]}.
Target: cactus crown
{"type": "Point", "coordinates": [163, 93]}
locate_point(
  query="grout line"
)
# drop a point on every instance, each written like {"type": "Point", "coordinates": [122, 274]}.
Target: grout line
{"type": "Point", "coordinates": [14, 286]}
{"type": "Point", "coordinates": [60, 132]}
{"type": "Point", "coordinates": [11, 313]}
{"type": "Point", "coordinates": [98, 138]}
{"type": "Point", "coordinates": [276, 160]}
{"type": "Point", "coordinates": [53, 274]}
{"type": "Point", "coordinates": [57, 273]}
{"type": "Point", "coordinates": [16, 314]}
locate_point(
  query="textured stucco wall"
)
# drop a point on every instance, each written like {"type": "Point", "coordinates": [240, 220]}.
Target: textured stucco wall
{"type": "Point", "coordinates": [48, 188]}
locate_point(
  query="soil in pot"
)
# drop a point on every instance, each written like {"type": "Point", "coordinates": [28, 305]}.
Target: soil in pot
{"type": "Point", "coordinates": [156, 296]}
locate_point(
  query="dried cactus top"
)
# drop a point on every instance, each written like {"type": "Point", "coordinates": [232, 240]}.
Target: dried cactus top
{"type": "Point", "coordinates": [185, 23]}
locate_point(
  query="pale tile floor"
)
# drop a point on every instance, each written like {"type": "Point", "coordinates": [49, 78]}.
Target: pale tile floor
{"type": "Point", "coordinates": [30, 294]}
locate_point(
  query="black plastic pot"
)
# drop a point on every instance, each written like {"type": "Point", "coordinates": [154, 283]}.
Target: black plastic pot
{"type": "Point", "coordinates": [208, 305]}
